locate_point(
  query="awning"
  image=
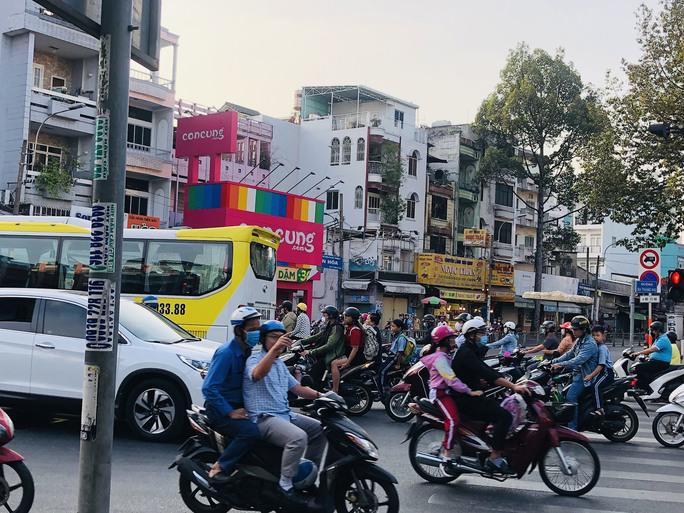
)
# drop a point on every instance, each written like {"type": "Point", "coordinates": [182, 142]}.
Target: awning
{"type": "Point", "coordinates": [462, 295]}
{"type": "Point", "coordinates": [355, 284]}
{"type": "Point", "coordinates": [524, 303]}
{"type": "Point", "coordinates": [550, 306]}
{"type": "Point", "coordinates": [398, 287]}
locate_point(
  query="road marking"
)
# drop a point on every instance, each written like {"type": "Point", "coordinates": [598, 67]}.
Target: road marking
{"type": "Point", "coordinates": [435, 501]}
{"type": "Point", "coordinates": [643, 461]}
{"type": "Point", "coordinates": [655, 478]}
{"type": "Point", "coordinates": [595, 437]}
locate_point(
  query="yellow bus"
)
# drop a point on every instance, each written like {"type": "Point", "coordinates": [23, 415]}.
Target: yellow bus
{"type": "Point", "coordinates": [198, 275]}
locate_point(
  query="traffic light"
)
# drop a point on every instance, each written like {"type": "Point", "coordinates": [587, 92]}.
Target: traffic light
{"type": "Point", "coordinates": [675, 285]}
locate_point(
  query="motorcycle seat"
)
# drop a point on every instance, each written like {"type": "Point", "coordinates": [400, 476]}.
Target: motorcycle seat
{"type": "Point", "coordinates": [671, 368]}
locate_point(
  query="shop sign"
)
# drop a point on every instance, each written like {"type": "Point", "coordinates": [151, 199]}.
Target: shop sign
{"type": "Point", "coordinates": [358, 298]}
{"type": "Point", "coordinates": [462, 295]}
{"type": "Point", "coordinates": [362, 263]}
{"type": "Point", "coordinates": [503, 296]}
{"type": "Point", "coordinates": [294, 274]}
{"type": "Point", "coordinates": [207, 135]}
{"type": "Point", "coordinates": [476, 238]}
{"type": "Point", "coordinates": [332, 262]}
{"type": "Point", "coordinates": [450, 271]}
{"type": "Point", "coordinates": [138, 221]}
{"type": "Point", "coordinates": [502, 274]}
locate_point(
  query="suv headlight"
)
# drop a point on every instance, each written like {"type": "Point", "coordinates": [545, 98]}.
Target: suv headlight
{"type": "Point", "coordinates": [201, 366]}
{"type": "Point", "coordinates": [365, 445]}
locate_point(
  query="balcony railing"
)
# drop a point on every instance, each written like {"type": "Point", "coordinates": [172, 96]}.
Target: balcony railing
{"type": "Point", "coordinates": [375, 168]}
{"type": "Point", "coordinates": [146, 76]}
{"type": "Point", "coordinates": [469, 185]}
{"type": "Point", "coordinates": [148, 150]}
{"type": "Point", "coordinates": [524, 252]}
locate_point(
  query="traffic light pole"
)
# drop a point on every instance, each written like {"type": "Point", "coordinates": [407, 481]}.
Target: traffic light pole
{"type": "Point", "coordinates": [109, 171]}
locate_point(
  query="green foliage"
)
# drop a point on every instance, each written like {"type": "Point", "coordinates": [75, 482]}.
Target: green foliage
{"type": "Point", "coordinates": [560, 238]}
{"type": "Point", "coordinates": [54, 179]}
{"type": "Point", "coordinates": [393, 172]}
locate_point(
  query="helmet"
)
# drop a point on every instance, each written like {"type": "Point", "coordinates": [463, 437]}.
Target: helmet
{"type": "Point", "coordinates": [657, 326]}
{"type": "Point", "coordinates": [151, 301]}
{"type": "Point", "coordinates": [242, 314]}
{"type": "Point", "coordinates": [287, 305]}
{"type": "Point", "coordinates": [352, 312]}
{"type": "Point", "coordinates": [473, 325]}
{"type": "Point", "coordinates": [429, 319]}
{"type": "Point", "coordinates": [441, 333]}
{"type": "Point", "coordinates": [548, 326]}
{"type": "Point", "coordinates": [579, 322]}
{"type": "Point", "coordinates": [510, 326]}
{"type": "Point", "coordinates": [364, 317]}
{"type": "Point", "coordinates": [566, 325]}
{"type": "Point", "coordinates": [302, 307]}
{"type": "Point", "coordinates": [306, 474]}
{"type": "Point", "coordinates": [672, 336]}
{"type": "Point", "coordinates": [270, 326]}
{"type": "Point", "coordinates": [332, 312]}
{"type": "Point", "coordinates": [464, 317]}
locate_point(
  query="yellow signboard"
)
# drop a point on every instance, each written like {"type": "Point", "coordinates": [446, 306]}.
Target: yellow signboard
{"type": "Point", "coordinates": [505, 296]}
{"type": "Point", "coordinates": [502, 274]}
{"type": "Point", "coordinates": [476, 238]}
{"type": "Point", "coordinates": [462, 295]}
{"type": "Point", "coordinates": [450, 271]}
{"type": "Point", "coordinates": [294, 274]}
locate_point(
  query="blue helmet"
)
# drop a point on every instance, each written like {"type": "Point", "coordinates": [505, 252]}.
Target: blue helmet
{"type": "Point", "coordinates": [150, 301]}
{"type": "Point", "coordinates": [270, 326]}
{"type": "Point", "coordinates": [306, 474]}
{"type": "Point", "coordinates": [242, 314]}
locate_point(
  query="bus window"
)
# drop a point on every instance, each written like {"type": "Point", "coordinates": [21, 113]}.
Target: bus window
{"type": "Point", "coordinates": [187, 268]}
{"type": "Point", "coordinates": [263, 260]}
{"type": "Point", "coordinates": [28, 262]}
{"type": "Point", "coordinates": [132, 276]}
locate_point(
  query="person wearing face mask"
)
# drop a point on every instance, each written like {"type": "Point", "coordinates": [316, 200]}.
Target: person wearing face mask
{"type": "Point", "coordinates": [460, 320]}
{"type": "Point", "coordinates": [223, 394]}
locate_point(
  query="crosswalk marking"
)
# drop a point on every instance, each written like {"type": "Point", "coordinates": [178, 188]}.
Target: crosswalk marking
{"type": "Point", "coordinates": [657, 478]}
{"type": "Point", "coordinates": [548, 508]}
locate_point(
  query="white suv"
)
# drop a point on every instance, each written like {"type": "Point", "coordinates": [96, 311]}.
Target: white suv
{"type": "Point", "coordinates": [160, 366]}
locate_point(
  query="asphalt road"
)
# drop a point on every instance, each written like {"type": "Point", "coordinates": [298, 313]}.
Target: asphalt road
{"type": "Point", "coordinates": [638, 477]}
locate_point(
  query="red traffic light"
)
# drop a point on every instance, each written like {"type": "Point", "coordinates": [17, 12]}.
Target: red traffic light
{"type": "Point", "coordinates": [675, 278]}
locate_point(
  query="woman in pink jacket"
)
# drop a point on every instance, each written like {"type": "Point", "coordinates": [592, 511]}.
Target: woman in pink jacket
{"type": "Point", "coordinates": [443, 379]}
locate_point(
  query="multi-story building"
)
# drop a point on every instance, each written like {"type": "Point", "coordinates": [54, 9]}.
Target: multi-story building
{"type": "Point", "coordinates": [599, 240]}
{"type": "Point", "coordinates": [49, 70]}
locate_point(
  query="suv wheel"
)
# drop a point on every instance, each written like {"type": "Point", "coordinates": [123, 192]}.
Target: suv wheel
{"type": "Point", "coordinates": [155, 410]}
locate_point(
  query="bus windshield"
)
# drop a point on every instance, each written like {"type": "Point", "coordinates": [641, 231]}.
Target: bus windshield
{"type": "Point", "coordinates": [263, 260]}
{"type": "Point", "coordinates": [146, 324]}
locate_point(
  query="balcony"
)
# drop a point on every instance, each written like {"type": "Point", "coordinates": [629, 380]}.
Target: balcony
{"type": "Point", "coordinates": [524, 253]}
{"type": "Point", "coordinates": [375, 179]}
{"type": "Point", "coordinates": [149, 86]}
{"type": "Point", "coordinates": [526, 185]}
{"type": "Point", "coordinates": [440, 227]}
{"type": "Point", "coordinates": [253, 127]}
{"type": "Point", "coordinates": [502, 250]}
{"type": "Point", "coordinates": [443, 189]}
{"type": "Point", "coordinates": [77, 122]}
{"type": "Point", "coordinates": [527, 218]}
{"type": "Point", "coordinates": [503, 212]}
{"type": "Point", "coordinates": [148, 160]}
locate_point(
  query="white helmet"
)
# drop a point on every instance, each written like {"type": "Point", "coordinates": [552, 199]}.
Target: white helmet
{"type": "Point", "coordinates": [242, 314]}
{"type": "Point", "coordinates": [473, 325]}
{"type": "Point", "coordinates": [510, 326]}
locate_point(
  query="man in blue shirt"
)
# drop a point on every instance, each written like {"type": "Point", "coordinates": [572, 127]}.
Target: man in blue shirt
{"type": "Point", "coordinates": [583, 357]}
{"type": "Point", "coordinates": [267, 381]}
{"type": "Point", "coordinates": [509, 342]}
{"type": "Point", "coordinates": [222, 391]}
{"type": "Point", "coordinates": [660, 356]}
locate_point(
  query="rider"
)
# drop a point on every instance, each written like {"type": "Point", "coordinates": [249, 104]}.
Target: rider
{"type": "Point", "coordinates": [460, 321]}
{"type": "Point", "coordinates": [429, 324]}
{"type": "Point", "coordinates": [332, 337]}
{"type": "Point", "coordinates": [303, 326]}
{"type": "Point", "coordinates": [395, 359]}
{"type": "Point", "coordinates": [509, 342]}
{"type": "Point", "coordinates": [550, 344]}
{"type": "Point", "coordinates": [472, 370]}
{"type": "Point", "coordinates": [676, 355]}
{"type": "Point", "coordinates": [353, 337]}
{"type": "Point", "coordinates": [222, 391]}
{"type": "Point", "coordinates": [267, 382]}
{"type": "Point", "coordinates": [583, 358]}
{"type": "Point", "coordinates": [289, 317]}
{"type": "Point", "coordinates": [661, 356]}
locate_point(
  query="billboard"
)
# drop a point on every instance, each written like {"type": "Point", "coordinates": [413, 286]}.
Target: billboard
{"type": "Point", "coordinates": [476, 238]}
{"type": "Point", "coordinates": [207, 135]}
{"type": "Point", "coordinates": [450, 271]}
{"type": "Point", "coordinates": [502, 274]}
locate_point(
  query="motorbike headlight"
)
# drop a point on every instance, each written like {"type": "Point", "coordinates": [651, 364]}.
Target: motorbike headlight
{"type": "Point", "coordinates": [201, 366]}
{"type": "Point", "coordinates": [365, 445]}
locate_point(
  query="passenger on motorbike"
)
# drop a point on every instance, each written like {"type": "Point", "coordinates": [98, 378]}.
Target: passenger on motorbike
{"type": "Point", "coordinates": [471, 369]}
{"type": "Point", "coordinates": [509, 342]}
{"type": "Point", "coordinates": [676, 355]}
{"type": "Point", "coordinates": [660, 356]}
{"type": "Point", "coordinates": [429, 324]}
{"type": "Point", "coordinates": [460, 321]}
{"type": "Point", "coordinates": [602, 375]}
{"type": "Point", "coordinates": [550, 344]}
{"type": "Point", "coordinates": [353, 338]}
{"type": "Point", "coordinates": [396, 357]}
{"type": "Point", "coordinates": [223, 397]}
{"type": "Point", "coordinates": [267, 382]}
{"type": "Point", "coordinates": [332, 339]}
{"type": "Point", "coordinates": [583, 359]}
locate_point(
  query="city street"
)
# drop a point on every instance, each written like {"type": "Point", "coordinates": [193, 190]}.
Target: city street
{"type": "Point", "coordinates": [638, 477]}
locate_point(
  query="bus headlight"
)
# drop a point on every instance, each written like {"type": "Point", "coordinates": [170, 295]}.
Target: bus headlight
{"type": "Point", "coordinates": [201, 366]}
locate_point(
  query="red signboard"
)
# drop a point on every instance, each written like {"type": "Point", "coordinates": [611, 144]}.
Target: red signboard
{"type": "Point", "coordinates": [138, 221]}
{"type": "Point", "coordinates": [207, 135]}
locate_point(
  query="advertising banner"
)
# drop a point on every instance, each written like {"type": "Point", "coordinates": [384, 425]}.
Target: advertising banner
{"type": "Point", "coordinates": [502, 274]}
{"type": "Point", "coordinates": [207, 135]}
{"type": "Point", "coordinates": [450, 271]}
{"type": "Point", "coordinates": [462, 295]}
{"type": "Point", "coordinates": [476, 238]}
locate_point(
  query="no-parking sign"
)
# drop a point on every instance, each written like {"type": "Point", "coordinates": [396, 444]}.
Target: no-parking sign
{"type": "Point", "coordinates": [649, 263]}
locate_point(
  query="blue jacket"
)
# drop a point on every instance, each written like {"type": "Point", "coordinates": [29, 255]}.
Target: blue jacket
{"type": "Point", "coordinates": [508, 343]}
{"type": "Point", "coordinates": [222, 387]}
{"type": "Point", "coordinates": [583, 356]}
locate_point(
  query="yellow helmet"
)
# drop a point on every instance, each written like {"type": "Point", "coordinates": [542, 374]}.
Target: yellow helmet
{"type": "Point", "coordinates": [302, 306]}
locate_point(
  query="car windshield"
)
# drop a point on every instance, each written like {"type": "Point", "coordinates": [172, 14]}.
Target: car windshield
{"type": "Point", "coordinates": [150, 326]}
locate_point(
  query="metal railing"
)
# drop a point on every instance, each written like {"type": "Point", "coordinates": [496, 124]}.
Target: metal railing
{"type": "Point", "coordinates": [375, 168]}
{"type": "Point", "coordinates": [146, 76]}
{"type": "Point", "coordinates": [149, 150]}
{"type": "Point", "coordinates": [469, 185]}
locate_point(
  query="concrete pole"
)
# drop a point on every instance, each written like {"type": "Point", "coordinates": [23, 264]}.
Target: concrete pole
{"type": "Point", "coordinates": [97, 414]}
{"type": "Point", "coordinates": [340, 273]}
{"type": "Point", "coordinates": [632, 300]}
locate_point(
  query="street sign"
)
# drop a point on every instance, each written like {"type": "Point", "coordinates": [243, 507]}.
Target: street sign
{"type": "Point", "coordinates": [649, 299]}
{"type": "Point", "coordinates": [646, 287]}
{"type": "Point", "coordinates": [332, 262]}
{"type": "Point", "coordinates": [649, 258]}
{"type": "Point", "coordinates": [649, 264]}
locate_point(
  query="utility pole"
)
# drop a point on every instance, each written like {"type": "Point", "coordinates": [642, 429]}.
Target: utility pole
{"type": "Point", "coordinates": [488, 285]}
{"type": "Point", "coordinates": [596, 290]}
{"type": "Point", "coordinates": [632, 300]}
{"type": "Point", "coordinates": [97, 414]}
{"type": "Point", "coordinates": [20, 177]}
{"type": "Point", "coordinates": [340, 273]}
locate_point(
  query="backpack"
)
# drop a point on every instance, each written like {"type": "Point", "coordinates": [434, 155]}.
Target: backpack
{"type": "Point", "coordinates": [371, 345]}
{"type": "Point", "coordinates": [411, 353]}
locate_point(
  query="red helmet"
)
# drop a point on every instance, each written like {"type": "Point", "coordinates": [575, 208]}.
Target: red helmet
{"type": "Point", "coordinates": [440, 333]}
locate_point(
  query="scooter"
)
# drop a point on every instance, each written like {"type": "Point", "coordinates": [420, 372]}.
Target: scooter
{"type": "Point", "coordinates": [349, 481]}
{"type": "Point", "coordinates": [413, 386]}
{"type": "Point", "coordinates": [668, 424]}
{"type": "Point", "coordinates": [16, 482]}
{"type": "Point", "coordinates": [567, 463]}
{"type": "Point", "coordinates": [663, 384]}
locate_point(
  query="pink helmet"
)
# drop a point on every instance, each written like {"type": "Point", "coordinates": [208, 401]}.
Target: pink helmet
{"type": "Point", "coordinates": [440, 333]}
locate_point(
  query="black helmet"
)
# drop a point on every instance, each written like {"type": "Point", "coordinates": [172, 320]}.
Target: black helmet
{"type": "Point", "coordinates": [287, 305]}
{"type": "Point", "coordinates": [548, 326]}
{"type": "Point", "coordinates": [672, 336]}
{"type": "Point", "coordinates": [429, 319]}
{"type": "Point", "coordinates": [580, 322]}
{"type": "Point", "coordinates": [332, 312]}
{"type": "Point", "coordinates": [464, 317]}
{"type": "Point", "coordinates": [657, 326]}
{"type": "Point", "coordinates": [352, 312]}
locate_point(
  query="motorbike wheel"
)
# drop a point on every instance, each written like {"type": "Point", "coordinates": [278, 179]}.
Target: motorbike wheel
{"type": "Point", "coordinates": [362, 399]}
{"type": "Point", "coordinates": [630, 428]}
{"type": "Point", "coordinates": [366, 493]}
{"type": "Point", "coordinates": [397, 411]}
{"type": "Point", "coordinates": [584, 463]}
{"type": "Point", "coordinates": [21, 482]}
{"type": "Point", "coordinates": [193, 496]}
{"type": "Point", "coordinates": [663, 429]}
{"type": "Point", "coordinates": [428, 440]}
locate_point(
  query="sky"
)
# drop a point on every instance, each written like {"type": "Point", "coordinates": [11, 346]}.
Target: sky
{"type": "Point", "coordinates": [444, 55]}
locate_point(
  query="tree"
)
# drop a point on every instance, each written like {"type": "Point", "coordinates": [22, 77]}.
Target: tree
{"type": "Point", "coordinates": [55, 177]}
{"type": "Point", "coordinates": [641, 173]}
{"type": "Point", "coordinates": [393, 171]}
{"type": "Point", "coordinates": [534, 126]}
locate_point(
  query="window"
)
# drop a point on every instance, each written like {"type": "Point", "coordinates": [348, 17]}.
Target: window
{"type": "Point", "coordinates": [373, 204]}
{"type": "Point", "coordinates": [332, 200]}
{"type": "Point", "coordinates": [187, 268]}
{"type": "Point", "coordinates": [265, 155]}
{"type": "Point", "coordinates": [413, 164]}
{"type": "Point", "coordinates": [529, 241]}
{"type": "Point", "coordinates": [438, 244]}
{"type": "Point", "coordinates": [503, 232]}
{"type": "Point", "coordinates": [44, 154]}
{"type": "Point", "coordinates": [41, 210]}
{"type": "Point", "coordinates": [134, 204]}
{"type": "Point", "coordinates": [38, 72]}
{"type": "Point", "coordinates": [387, 261]}
{"type": "Point", "coordinates": [335, 152]}
{"type": "Point", "coordinates": [358, 197]}
{"type": "Point", "coordinates": [240, 152]}
{"type": "Point", "coordinates": [64, 319]}
{"type": "Point", "coordinates": [140, 114]}
{"type": "Point", "coordinates": [28, 262]}
{"type": "Point", "coordinates": [398, 119]}
{"type": "Point", "coordinates": [439, 207]}
{"type": "Point", "coordinates": [252, 155]}
{"type": "Point", "coordinates": [346, 150]}
{"type": "Point", "coordinates": [16, 313]}
{"type": "Point", "coordinates": [361, 149]}
{"type": "Point", "coordinates": [150, 326]}
{"type": "Point", "coordinates": [57, 82]}
{"type": "Point", "coordinates": [411, 206]}
{"type": "Point", "coordinates": [263, 261]}
{"type": "Point", "coordinates": [504, 195]}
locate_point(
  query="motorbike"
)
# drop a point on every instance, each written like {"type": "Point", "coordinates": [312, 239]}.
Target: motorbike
{"type": "Point", "coordinates": [16, 482]}
{"type": "Point", "coordinates": [414, 385]}
{"type": "Point", "coordinates": [663, 384]}
{"type": "Point", "coordinates": [668, 424]}
{"type": "Point", "coordinates": [567, 463]}
{"type": "Point", "coordinates": [350, 478]}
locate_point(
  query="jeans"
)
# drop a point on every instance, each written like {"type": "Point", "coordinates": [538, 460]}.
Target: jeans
{"type": "Point", "coordinates": [243, 435]}
{"type": "Point", "coordinates": [385, 367]}
{"type": "Point", "coordinates": [575, 390]}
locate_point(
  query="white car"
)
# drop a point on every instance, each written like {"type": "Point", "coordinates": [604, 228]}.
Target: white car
{"type": "Point", "coordinates": [160, 366]}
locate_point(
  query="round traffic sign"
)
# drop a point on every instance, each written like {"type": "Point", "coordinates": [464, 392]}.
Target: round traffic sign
{"type": "Point", "coordinates": [649, 259]}
{"type": "Point", "coordinates": [649, 276]}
